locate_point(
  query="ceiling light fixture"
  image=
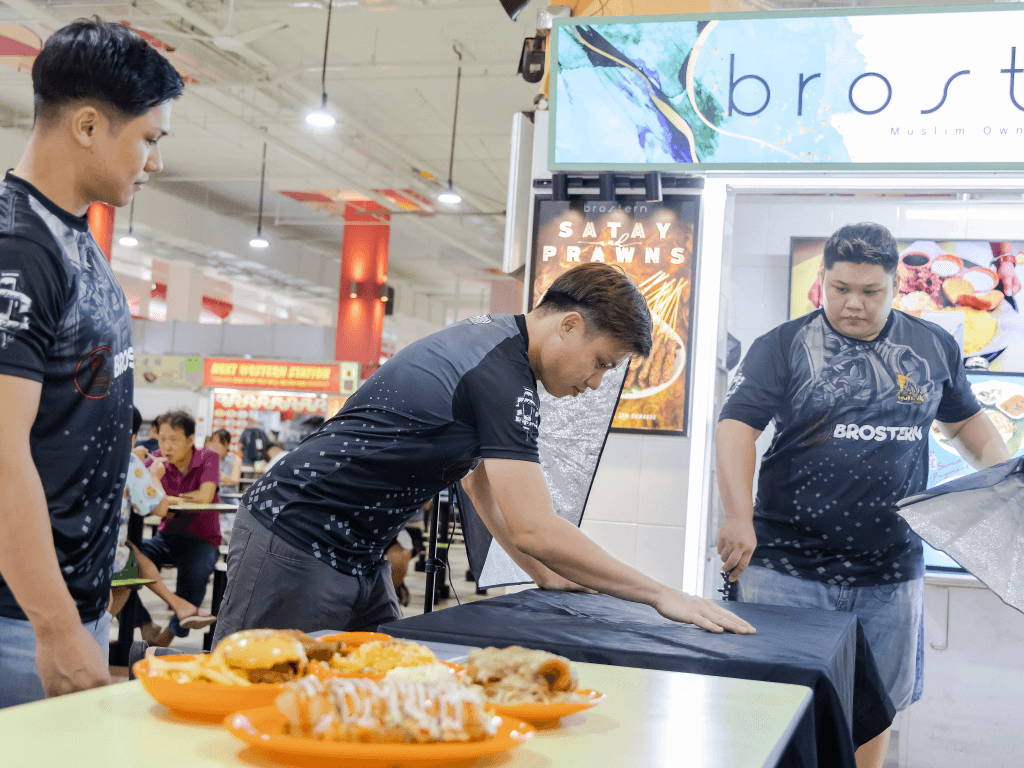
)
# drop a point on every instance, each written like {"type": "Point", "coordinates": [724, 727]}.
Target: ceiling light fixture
{"type": "Point", "coordinates": [259, 241]}
{"type": "Point", "coordinates": [130, 240]}
{"type": "Point", "coordinates": [450, 196]}
{"type": "Point", "coordinates": [321, 117]}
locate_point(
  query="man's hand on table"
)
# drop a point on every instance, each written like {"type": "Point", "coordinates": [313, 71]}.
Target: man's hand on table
{"type": "Point", "coordinates": [736, 544]}
{"type": "Point", "coordinates": [70, 662]}
{"type": "Point", "coordinates": [706, 614]}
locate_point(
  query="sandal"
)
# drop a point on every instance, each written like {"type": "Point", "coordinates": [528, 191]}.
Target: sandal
{"type": "Point", "coordinates": [196, 621]}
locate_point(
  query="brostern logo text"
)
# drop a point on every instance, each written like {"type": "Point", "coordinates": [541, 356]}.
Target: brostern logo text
{"type": "Point", "coordinates": [880, 434]}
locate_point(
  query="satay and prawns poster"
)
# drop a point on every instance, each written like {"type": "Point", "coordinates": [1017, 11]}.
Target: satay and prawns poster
{"type": "Point", "coordinates": [652, 243]}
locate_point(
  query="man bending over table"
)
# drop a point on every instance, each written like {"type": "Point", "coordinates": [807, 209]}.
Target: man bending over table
{"type": "Point", "coordinates": [307, 549]}
{"type": "Point", "coordinates": [853, 389]}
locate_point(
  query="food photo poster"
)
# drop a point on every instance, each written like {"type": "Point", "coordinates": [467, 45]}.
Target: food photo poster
{"type": "Point", "coordinates": [950, 282]}
{"type": "Point", "coordinates": [653, 243]}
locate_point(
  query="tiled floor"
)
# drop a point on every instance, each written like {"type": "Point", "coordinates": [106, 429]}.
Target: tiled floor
{"type": "Point", "coordinates": [415, 581]}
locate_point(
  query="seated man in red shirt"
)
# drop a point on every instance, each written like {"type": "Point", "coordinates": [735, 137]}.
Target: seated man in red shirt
{"type": "Point", "coordinates": [188, 541]}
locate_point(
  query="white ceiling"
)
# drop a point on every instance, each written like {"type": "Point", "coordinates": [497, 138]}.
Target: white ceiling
{"type": "Point", "coordinates": [391, 79]}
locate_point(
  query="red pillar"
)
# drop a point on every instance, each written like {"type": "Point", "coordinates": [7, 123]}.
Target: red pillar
{"type": "Point", "coordinates": [101, 224]}
{"type": "Point", "coordinates": [364, 261]}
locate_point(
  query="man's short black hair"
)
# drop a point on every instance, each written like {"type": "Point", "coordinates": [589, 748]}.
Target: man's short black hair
{"type": "Point", "coordinates": [222, 436]}
{"type": "Point", "coordinates": [102, 62]}
{"type": "Point", "coordinates": [864, 243]}
{"type": "Point", "coordinates": [178, 420]}
{"type": "Point", "coordinates": [136, 420]}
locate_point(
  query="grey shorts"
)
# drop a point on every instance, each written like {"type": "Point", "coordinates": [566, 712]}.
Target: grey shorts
{"type": "Point", "coordinates": [891, 615]}
{"type": "Point", "coordinates": [273, 585]}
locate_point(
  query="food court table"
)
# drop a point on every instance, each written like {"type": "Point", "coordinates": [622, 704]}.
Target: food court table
{"type": "Point", "coordinates": [650, 719]}
{"type": "Point", "coordinates": [823, 650]}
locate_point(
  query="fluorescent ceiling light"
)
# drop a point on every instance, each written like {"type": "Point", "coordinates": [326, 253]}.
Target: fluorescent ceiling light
{"type": "Point", "coordinates": [258, 242]}
{"type": "Point", "coordinates": [320, 118]}
{"type": "Point", "coordinates": [128, 240]}
{"type": "Point", "coordinates": [450, 197]}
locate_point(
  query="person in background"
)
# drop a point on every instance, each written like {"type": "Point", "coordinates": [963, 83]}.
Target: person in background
{"type": "Point", "coordinates": [151, 444]}
{"type": "Point", "coordinates": [852, 389]}
{"type": "Point", "coordinates": [230, 463]}
{"type": "Point", "coordinates": [102, 104]}
{"type": "Point", "coordinates": [189, 541]}
{"type": "Point", "coordinates": [253, 442]}
{"type": "Point", "coordinates": [275, 452]}
{"type": "Point", "coordinates": [144, 496]}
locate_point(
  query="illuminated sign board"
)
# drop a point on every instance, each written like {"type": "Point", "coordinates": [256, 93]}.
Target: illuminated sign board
{"type": "Point", "coordinates": [858, 90]}
{"type": "Point", "coordinates": [653, 244]}
{"type": "Point", "coordinates": [272, 374]}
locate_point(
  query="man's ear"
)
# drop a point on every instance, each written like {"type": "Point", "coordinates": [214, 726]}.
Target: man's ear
{"type": "Point", "coordinates": [571, 321]}
{"type": "Point", "coordinates": [85, 123]}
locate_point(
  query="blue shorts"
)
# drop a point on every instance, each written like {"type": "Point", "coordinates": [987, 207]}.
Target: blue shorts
{"type": "Point", "coordinates": [891, 614]}
{"type": "Point", "coordinates": [19, 680]}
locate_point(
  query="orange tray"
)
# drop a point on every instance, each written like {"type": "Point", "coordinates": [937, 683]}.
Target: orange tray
{"type": "Point", "coordinates": [264, 729]}
{"type": "Point", "coordinates": [203, 700]}
{"type": "Point", "coordinates": [548, 715]}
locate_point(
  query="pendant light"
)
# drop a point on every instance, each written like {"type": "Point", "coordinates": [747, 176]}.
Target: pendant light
{"type": "Point", "coordinates": [450, 196]}
{"type": "Point", "coordinates": [259, 241]}
{"type": "Point", "coordinates": [130, 240]}
{"type": "Point", "coordinates": [321, 117]}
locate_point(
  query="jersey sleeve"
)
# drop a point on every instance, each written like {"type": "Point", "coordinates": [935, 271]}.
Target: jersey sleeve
{"type": "Point", "coordinates": [33, 294]}
{"type": "Point", "coordinates": [500, 396]}
{"type": "Point", "coordinates": [144, 492]}
{"type": "Point", "coordinates": [759, 387]}
{"type": "Point", "coordinates": [958, 401]}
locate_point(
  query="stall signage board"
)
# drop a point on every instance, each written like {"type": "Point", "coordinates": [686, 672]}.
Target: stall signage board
{"type": "Point", "coordinates": [873, 90]}
{"type": "Point", "coordinates": [272, 374]}
{"type": "Point", "coordinates": [168, 371]}
{"type": "Point", "coordinates": [653, 244]}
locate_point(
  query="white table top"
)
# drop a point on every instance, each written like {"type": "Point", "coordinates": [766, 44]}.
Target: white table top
{"type": "Point", "coordinates": [193, 506]}
{"type": "Point", "coordinates": [650, 719]}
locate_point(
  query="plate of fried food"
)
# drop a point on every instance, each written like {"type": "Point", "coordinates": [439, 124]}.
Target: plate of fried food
{"type": "Point", "coordinates": [1003, 404]}
{"type": "Point", "coordinates": [535, 686]}
{"type": "Point", "coordinates": [934, 281]}
{"type": "Point", "coordinates": [373, 724]}
{"type": "Point", "coordinates": [245, 670]}
{"type": "Point", "coordinates": [371, 658]}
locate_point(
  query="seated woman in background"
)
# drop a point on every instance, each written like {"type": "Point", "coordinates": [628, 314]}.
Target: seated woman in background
{"type": "Point", "coordinates": [230, 462]}
{"type": "Point", "coordinates": [144, 496]}
{"type": "Point", "coordinates": [189, 540]}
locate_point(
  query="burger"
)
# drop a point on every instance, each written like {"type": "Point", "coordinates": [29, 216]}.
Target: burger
{"type": "Point", "coordinates": [263, 655]}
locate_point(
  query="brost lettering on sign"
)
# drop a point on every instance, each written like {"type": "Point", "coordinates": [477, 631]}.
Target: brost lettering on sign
{"type": "Point", "coordinates": [878, 434]}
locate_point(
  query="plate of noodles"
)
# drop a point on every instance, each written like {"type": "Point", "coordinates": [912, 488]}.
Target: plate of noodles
{"type": "Point", "coordinates": [245, 670]}
{"type": "Point", "coordinates": [370, 724]}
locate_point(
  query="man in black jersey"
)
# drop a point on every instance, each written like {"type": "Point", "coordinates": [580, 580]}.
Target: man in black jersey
{"type": "Point", "coordinates": [307, 548]}
{"type": "Point", "coordinates": [102, 102]}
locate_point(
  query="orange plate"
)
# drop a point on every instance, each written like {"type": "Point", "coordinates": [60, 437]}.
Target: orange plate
{"type": "Point", "coordinates": [355, 638]}
{"type": "Point", "coordinates": [548, 714]}
{"type": "Point", "coordinates": [264, 729]}
{"type": "Point", "coordinates": [202, 699]}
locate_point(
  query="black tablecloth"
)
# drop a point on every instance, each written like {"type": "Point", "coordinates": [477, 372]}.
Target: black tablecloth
{"type": "Point", "coordinates": [823, 650]}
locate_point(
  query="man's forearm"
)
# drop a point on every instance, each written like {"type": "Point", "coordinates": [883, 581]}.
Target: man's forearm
{"type": "Point", "coordinates": [979, 442]}
{"type": "Point", "coordinates": [28, 558]}
{"type": "Point", "coordinates": [736, 458]}
{"type": "Point", "coordinates": [570, 553]}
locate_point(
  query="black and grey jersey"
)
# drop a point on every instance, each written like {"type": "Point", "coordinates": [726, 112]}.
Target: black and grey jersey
{"type": "Point", "coordinates": [64, 322]}
{"type": "Point", "coordinates": [423, 421]}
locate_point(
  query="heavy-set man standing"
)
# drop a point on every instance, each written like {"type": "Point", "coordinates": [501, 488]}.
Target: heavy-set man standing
{"type": "Point", "coordinates": [852, 389]}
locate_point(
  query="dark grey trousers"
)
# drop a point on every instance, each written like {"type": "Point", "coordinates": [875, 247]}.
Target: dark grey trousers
{"type": "Point", "coordinates": [273, 585]}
